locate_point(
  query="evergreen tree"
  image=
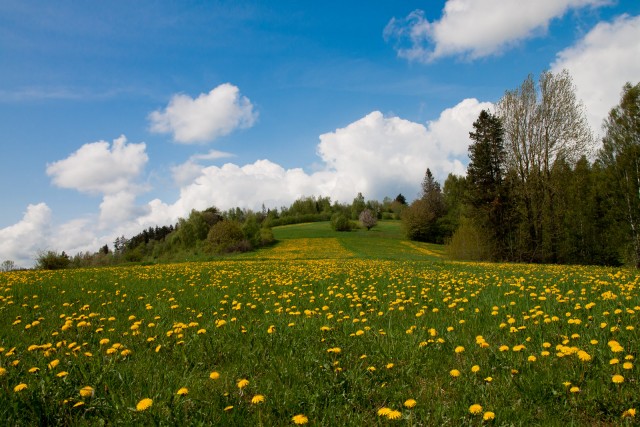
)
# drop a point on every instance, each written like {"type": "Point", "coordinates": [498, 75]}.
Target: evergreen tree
{"type": "Point", "coordinates": [485, 174]}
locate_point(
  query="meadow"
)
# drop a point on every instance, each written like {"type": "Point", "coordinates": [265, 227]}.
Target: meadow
{"type": "Point", "coordinates": [325, 329]}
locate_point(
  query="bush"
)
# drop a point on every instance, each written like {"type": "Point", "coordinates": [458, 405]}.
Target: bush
{"type": "Point", "coordinates": [468, 243]}
{"type": "Point", "coordinates": [51, 260]}
{"type": "Point", "coordinates": [266, 237]}
{"type": "Point", "coordinates": [340, 222]}
{"type": "Point", "coordinates": [227, 236]}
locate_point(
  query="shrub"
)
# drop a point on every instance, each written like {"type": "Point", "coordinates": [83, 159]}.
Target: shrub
{"type": "Point", "coordinates": [227, 236]}
{"type": "Point", "coordinates": [340, 222]}
{"type": "Point", "coordinates": [51, 260]}
{"type": "Point", "coordinates": [468, 243]}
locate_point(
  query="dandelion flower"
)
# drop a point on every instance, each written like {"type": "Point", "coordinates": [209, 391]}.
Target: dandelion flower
{"type": "Point", "coordinates": [410, 403]}
{"type": "Point", "coordinates": [228, 408]}
{"type": "Point", "coordinates": [574, 390]}
{"type": "Point", "coordinates": [454, 373]}
{"type": "Point", "coordinates": [488, 416]}
{"type": "Point", "coordinates": [475, 409]}
{"type": "Point", "coordinates": [389, 365]}
{"type": "Point", "coordinates": [629, 413]}
{"type": "Point", "coordinates": [384, 411]}
{"type": "Point", "coordinates": [459, 349]}
{"type": "Point", "coordinates": [258, 398]}
{"type": "Point", "coordinates": [33, 370]}
{"type": "Point", "coordinates": [394, 415]}
{"type": "Point", "coordinates": [617, 379]}
{"type": "Point", "coordinates": [19, 387]}
{"type": "Point", "coordinates": [300, 419]}
{"type": "Point", "coordinates": [53, 363]}
{"type": "Point", "coordinates": [3, 372]}
{"type": "Point", "coordinates": [627, 365]}
{"type": "Point", "coordinates": [475, 368]}
{"type": "Point", "coordinates": [488, 379]}
{"type": "Point", "coordinates": [183, 391]}
{"type": "Point", "coordinates": [214, 375]}
{"type": "Point", "coordinates": [144, 404]}
{"type": "Point", "coordinates": [86, 391]}
{"type": "Point", "coordinates": [78, 404]}
{"type": "Point", "coordinates": [62, 374]}
{"type": "Point", "coordinates": [242, 383]}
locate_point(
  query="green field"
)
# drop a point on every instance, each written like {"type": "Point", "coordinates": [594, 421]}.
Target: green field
{"type": "Point", "coordinates": [358, 328]}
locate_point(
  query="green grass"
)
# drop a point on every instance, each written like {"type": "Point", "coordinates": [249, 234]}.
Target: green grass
{"type": "Point", "coordinates": [396, 310]}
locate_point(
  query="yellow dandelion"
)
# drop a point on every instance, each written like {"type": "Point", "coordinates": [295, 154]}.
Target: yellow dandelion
{"type": "Point", "coordinates": [384, 411]}
{"type": "Point", "coordinates": [242, 383]}
{"type": "Point", "coordinates": [3, 372]}
{"type": "Point", "coordinates": [574, 390]}
{"type": "Point", "coordinates": [394, 415]}
{"type": "Point", "coordinates": [488, 379]}
{"type": "Point", "coordinates": [62, 374]}
{"type": "Point", "coordinates": [33, 370]}
{"type": "Point", "coordinates": [53, 363]}
{"type": "Point", "coordinates": [629, 413]}
{"type": "Point", "coordinates": [531, 358]}
{"type": "Point", "coordinates": [300, 419]}
{"type": "Point", "coordinates": [475, 368]}
{"type": "Point", "coordinates": [627, 365]}
{"type": "Point", "coordinates": [459, 349]}
{"type": "Point", "coordinates": [78, 404]}
{"type": "Point", "coordinates": [228, 408]}
{"type": "Point", "coordinates": [475, 409]}
{"type": "Point", "coordinates": [410, 403]}
{"type": "Point", "coordinates": [617, 379]}
{"type": "Point", "coordinates": [271, 329]}
{"type": "Point", "coordinates": [258, 398]}
{"type": "Point", "coordinates": [86, 391]}
{"type": "Point", "coordinates": [454, 373]}
{"type": "Point", "coordinates": [214, 375]}
{"type": "Point", "coordinates": [488, 416]}
{"type": "Point", "coordinates": [19, 387]}
{"type": "Point", "coordinates": [183, 391]}
{"type": "Point", "coordinates": [144, 404]}
{"type": "Point", "coordinates": [389, 365]}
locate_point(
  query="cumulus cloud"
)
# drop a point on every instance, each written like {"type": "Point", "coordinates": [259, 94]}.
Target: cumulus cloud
{"type": "Point", "coordinates": [376, 155]}
{"type": "Point", "coordinates": [476, 28]}
{"type": "Point", "coordinates": [205, 118]}
{"type": "Point", "coordinates": [100, 167]}
{"type": "Point", "coordinates": [19, 242]}
{"type": "Point", "coordinates": [601, 63]}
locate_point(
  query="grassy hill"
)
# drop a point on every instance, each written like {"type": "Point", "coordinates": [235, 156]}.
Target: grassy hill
{"type": "Point", "coordinates": [318, 241]}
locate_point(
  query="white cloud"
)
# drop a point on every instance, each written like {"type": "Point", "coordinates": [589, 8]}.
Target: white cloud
{"type": "Point", "coordinates": [601, 63]}
{"type": "Point", "coordinates": [376, 155]}
{"type": "Point", "coordinates": [476, 28]}
{"type": "Point", "coordinates": [21, 241]}
{"type": "Point", "coordinates": [206, 117]}
{"type": "Point", "coordinates": [98, 167]}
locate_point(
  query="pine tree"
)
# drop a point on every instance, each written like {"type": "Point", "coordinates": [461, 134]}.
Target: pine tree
{"type": "Point", "coordinates": [485, 176]}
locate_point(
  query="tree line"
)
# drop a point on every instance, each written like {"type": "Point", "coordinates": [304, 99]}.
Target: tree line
{"type": "Point", "coordinates": [536, 190]}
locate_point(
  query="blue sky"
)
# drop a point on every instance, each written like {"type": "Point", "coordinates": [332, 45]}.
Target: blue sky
{"type": "Point", "coordinates": [242, 103]}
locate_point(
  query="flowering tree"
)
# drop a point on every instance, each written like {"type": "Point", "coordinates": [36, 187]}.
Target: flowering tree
{"type": "Point", "coordinates": [368, 219]}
